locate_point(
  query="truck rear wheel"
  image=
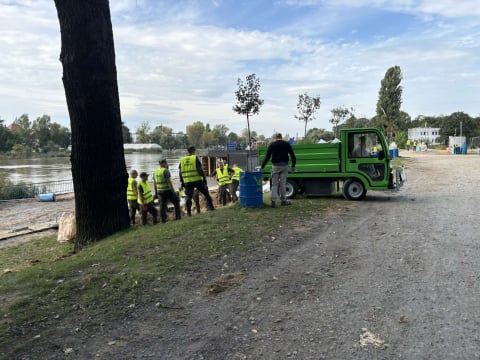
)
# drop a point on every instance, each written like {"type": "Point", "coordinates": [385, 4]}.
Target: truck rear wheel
{"type": "Point", "coordinates": [354, 189]}
{"type": "Point", "coordinates": [291, 189]}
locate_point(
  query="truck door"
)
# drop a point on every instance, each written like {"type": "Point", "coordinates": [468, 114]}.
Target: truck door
{"type": "Point", "coordinates": [362, 151]}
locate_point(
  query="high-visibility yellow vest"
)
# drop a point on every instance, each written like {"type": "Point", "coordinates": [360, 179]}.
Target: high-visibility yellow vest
{"type": "Point", "coordinates": [236, 175]}
{"type": "Point", "coordinates": [147, 193]}
{"type": "Point", "coordinates": [179, 193]}
{"type": "Point", "coordinates": [160, 179]}
{"type": "Point", "coordinates": [222, 176]}
{"type": "Point", "coordinates": [188, 167]}
{"type": "Point", "coordinates": [131, 194]}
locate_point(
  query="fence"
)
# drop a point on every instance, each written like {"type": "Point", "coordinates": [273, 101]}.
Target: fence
{"type": "Point", "coordinates": [25, 191]}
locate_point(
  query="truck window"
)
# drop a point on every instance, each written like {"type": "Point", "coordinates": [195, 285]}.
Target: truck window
{"type": "Point", "coordinates": [363, 145]}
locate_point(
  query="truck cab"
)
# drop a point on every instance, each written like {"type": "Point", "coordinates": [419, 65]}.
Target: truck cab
{"type": "Point", "coordinates": [358, 162]}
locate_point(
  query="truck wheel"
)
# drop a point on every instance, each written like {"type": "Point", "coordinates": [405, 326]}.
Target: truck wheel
{"type": "Point", "coordinates": [354, 189]}
{"type": "Point", "coordinates": [291, 189]}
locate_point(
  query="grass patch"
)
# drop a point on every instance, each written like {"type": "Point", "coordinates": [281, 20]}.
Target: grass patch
{"type": "Point", "coordinates": [104, 281]}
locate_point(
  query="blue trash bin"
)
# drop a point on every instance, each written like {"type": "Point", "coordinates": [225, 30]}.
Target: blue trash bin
{"type": "Point", "coordinates": [46, 197]}
{"type": "Point", "coordinates": [251, 194]}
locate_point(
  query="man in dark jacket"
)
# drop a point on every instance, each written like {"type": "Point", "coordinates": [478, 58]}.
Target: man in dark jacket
{"type": "Point", "coordinates": [279, 151]}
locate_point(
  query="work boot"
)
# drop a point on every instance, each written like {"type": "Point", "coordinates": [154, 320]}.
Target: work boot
{"type": "Point", "coordinates": [272, 205]}
{"type": "Point", "coordinates": [285, 203]}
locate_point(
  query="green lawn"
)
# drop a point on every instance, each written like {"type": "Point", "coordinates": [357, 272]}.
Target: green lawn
{"type": "Point", "coordinates": [42, 279]}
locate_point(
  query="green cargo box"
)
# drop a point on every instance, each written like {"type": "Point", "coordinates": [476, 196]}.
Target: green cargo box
{"type": "Point", "coordinates": [311, 158]}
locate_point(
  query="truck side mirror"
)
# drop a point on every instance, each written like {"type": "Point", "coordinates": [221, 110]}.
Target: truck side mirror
{"type": "Point", "coordinates": [381, 155]}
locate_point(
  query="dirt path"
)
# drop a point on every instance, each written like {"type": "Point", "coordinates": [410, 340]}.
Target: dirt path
{"type": "Point", "coordinates": [392, 277]}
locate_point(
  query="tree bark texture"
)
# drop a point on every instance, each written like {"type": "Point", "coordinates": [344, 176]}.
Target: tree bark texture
{"type": "Point", "coordinates": [90, 80]}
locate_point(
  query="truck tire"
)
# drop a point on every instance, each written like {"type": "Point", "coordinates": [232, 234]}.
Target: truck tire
{"type": "Point", "coordinates": [354, 189]}
{"type": "Point", "coordinates": [291, 189]}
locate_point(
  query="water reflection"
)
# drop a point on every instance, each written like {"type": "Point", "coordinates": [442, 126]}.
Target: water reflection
{"type": "Point", "coordinates": [54, 169]}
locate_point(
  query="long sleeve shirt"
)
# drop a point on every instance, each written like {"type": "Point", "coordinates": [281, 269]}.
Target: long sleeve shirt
{"type": "Point", "coordinates": [279, 151]}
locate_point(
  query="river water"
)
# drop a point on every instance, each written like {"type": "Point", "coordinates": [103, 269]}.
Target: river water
{"type": "Point", "coordinates": [54, 169]}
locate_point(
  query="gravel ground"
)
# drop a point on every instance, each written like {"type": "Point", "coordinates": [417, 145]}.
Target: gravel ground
{"type": "Point", "coordinates": [20, 216]}
{"type": "Point", "coordinates": [392, 277]}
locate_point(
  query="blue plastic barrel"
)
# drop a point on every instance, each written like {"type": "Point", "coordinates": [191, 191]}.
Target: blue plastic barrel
{"type": "Point", "coordinates": [391, 152]}
{"type": "Point", "coordinates": [464, 149]}
{"type": "Point", "coordinates": [251, 194]}
{"type": "Point", "coordinates": [395, 152]}
{"type": "Point", "coordinates": [46, 197]}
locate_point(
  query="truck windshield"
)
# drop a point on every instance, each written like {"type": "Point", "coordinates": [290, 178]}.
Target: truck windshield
{"type": "Point", "coordinates": [364, 145]}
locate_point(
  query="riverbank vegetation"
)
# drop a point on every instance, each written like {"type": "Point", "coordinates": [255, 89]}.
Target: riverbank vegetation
{"type": "Point", "coordinates": [10, 191]}
{"type": "Point", "coordinates": [23, 137]}
{"type": "Point", "coordinates": [43, 283]}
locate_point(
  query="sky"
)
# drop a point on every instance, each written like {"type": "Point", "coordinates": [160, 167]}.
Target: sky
{"type": "Point", "coordinates": [179, 61]}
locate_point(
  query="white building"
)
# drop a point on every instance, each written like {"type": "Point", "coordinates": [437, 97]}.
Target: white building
{"type": "Point", "coordinates": [424, 134]}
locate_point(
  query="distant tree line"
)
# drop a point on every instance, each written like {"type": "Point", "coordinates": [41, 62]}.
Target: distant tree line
{"type": "Point", "coordinates": [199, 134]}
{"type": "Point", "coordinates": [41, 135]}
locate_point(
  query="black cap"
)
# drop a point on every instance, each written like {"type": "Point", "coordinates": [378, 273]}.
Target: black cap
{"type": "Point", "coordinates": [143, 174]}
{"type": "Point", "coordinates": [191, 148]}
{"type": "Point", "coordinates": [163, 161]}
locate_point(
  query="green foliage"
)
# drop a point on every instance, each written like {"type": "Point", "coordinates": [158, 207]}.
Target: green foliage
{"type": "Point", "coordinates": [21, 150]}
{"type": "Point", "coordinates": [307, 107]}
{"type": "Point", "coordinates": [41, 129]}
{"type": "Point", "coordinates": [7, 138]}
{"type": "Point", "coordinates": [40, 135]}
{"type": "Point", "coordinates": [143, 133]}
{"type": "Point", "coordinates": [166, 138]}
{"type": "Point", "coordinates": [339, 115]}
{"type": "Point", "coordinates": [456, 122]}
{"type": "Point", "coordinates": [195, 134]}
{"type": "Point", "coordinates": [23, 127]}
{"type": "Point", "coordinates": [353, 122]}
{"type": "Point", "coordinates": [219, 134]}
{"type": "Point", "coordinates": [9, 191]}
{"type": "Point", "coordinates": [248, 98]}
{"type": "Point", "coordinates": [401, 139]}
{"type": "Point", "coordinates": [315, 135]}
{"type": "Point", "coordinates": [390, 99]}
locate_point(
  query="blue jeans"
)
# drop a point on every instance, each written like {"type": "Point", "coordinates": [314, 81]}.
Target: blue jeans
{"type": "Point", "coordinates": [279, 178]}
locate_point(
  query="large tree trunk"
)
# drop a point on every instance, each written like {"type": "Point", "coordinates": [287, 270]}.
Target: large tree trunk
{"type": "Point", "coordinates": [90, 80]}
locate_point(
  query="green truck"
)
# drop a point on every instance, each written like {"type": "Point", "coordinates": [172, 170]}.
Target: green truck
{"type": "Point", "coordinates": [360, 161]}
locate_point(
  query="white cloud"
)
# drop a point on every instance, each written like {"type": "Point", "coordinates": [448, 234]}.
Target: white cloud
{"type": "Point", "coordinates": [175, 70]}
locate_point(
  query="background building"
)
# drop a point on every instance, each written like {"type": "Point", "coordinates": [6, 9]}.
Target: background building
{"type": "Point", "coordinates": [424, 134]}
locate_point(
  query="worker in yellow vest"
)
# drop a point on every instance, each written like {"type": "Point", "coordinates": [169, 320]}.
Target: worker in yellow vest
{"type": "Point", "coordinates": [223, 177]}
{"type": "Point", "coordinates": [408, 144]}
{"type": "Point", "coordinates": [132, 195]}
{"type": "Point", "coordinates": [165, 190]}
{"type": "Point", "coordinates": [235, 182]}
{"type": "Point", "coordinates": [145, 199]}
{"type": "Point", "coordinates": [191, 177]}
